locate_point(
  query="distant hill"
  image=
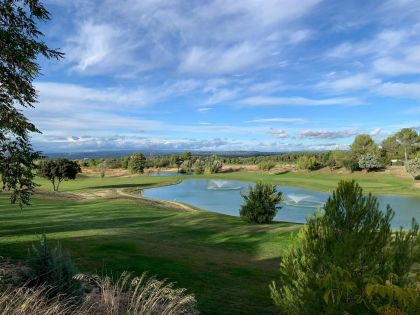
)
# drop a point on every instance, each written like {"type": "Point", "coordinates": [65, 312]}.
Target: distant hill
{"type": "Point", "coordinates": [149, 153]}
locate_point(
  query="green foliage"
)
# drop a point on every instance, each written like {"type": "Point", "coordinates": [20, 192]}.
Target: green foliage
{"type": "Point", "coordinates": [261, 203]}
{"type": "Point", "coordinates": [186, 167]}
{"type": "Point", "coordinates": [390, 298]}
{"type": "Point", "coordinates": [351, 164]}
{"type": "Point", "coordinates": [369, 162]}
{"type": "Point", "coordinates": [363, 144]}
{"type": "Point", "coordinates": [137, 163]}
{"type": "Point", "coordinates": [413, 167]}
{"type": "Point", "coordinates": [20, 46]}
{"type": "Point", "coordinates": [52, 267]}
{"type": "Point", "coordinates": [215, 166]}
{"type": "Point", "coordinates": [199, 166]}
{"type": "Point", "coordinates": [186, 156]}
{"type": "Point", "coordinates": [266, 165]}
{"type": "Point", "coordinates": [307, 162]}
{"type": "Point", "coordinates": [58, 170]}
{"type": "Point", "coordinates": [392, 148]}
{"type": "Point", "coordinates": [340, 253]}
{"type": "Point", "coordinates": [409, 140]}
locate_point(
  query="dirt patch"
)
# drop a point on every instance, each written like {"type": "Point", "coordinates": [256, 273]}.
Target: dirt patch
{"type": "Point", "coordinates": [161, 203]}
{"type": "Point", "coordinates": [416, 185]}
{"type": "Point", "coordinates": [49, 195]}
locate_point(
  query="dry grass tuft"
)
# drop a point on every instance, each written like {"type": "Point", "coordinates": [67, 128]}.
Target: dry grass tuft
{"type": "Point", "coordinates": [25, 301]}
{"type": "Point", "coordinates": [136, 295]}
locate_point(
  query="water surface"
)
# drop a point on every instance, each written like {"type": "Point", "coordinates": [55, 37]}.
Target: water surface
{"type": "Point", "coordinates": [224, 197]}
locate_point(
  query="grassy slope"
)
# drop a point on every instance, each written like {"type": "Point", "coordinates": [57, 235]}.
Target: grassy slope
{"type": "Point", "coordinates": [227, 263]}
{"type": "Point", "coordinates": [376, 183]}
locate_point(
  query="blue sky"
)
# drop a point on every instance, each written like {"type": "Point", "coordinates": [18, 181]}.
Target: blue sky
{"type": "Point", "coordinates": [272, 75]}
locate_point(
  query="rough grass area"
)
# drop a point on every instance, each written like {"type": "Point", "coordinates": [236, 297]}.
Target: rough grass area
{"type": "Point", "coordinates": [224, 261]}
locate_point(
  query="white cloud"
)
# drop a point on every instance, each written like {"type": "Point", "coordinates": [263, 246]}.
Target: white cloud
{"type": "Point", "coordinates": [375, 132]}
{"type": "Point", "coordinates": [407, 63]}
{"type": "Point", "coordinates": [298, 101]}
{"type": "Point", "coordinates": [276, 119]}
{"type": "Point", "coordinates": [401, 90]}
{"type": "Point", "coordinates": [279, 133]}
{"type": "Point", "coordinates": [222, 60]}
{"type": "Point", "coordinates": [204, 109]}
{"type": "Point", "coordinates": [326, 134]}
{"type": "Point", "coordinates": [352, 82]}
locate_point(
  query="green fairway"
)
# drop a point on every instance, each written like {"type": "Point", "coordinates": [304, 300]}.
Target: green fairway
{"type": "Point", "coordinates": [375, 182]}
{"type": "Point", "coordinates": [226, 262]}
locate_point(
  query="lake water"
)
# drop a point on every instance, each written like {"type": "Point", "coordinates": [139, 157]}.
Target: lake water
{"type": "Point", "coordinates": [224, 197]}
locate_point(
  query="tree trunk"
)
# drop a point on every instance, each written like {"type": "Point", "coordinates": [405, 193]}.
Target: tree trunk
{"type": "Point", "coordinates": [405, 153]}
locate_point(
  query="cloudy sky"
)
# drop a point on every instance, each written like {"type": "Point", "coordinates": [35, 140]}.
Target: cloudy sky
{"type": "Point", "coordinates": [269, 75]}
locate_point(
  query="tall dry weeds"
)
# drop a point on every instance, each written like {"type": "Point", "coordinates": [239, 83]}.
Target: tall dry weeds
{"type": "Point", "coordinates": [136, 295]}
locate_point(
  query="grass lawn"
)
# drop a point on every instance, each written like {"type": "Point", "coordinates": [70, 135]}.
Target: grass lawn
{"type": "Point", "coordinates": [375, 182]}
{"type": "Point", "coordinates": [225, 262]}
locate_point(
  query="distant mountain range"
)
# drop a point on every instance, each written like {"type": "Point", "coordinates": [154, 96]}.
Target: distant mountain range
{"type": "Point", "coordinates": [149, 153]}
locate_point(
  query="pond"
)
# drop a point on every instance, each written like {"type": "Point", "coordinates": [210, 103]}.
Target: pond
{"type": "Point", "coordinates": [224, 197]}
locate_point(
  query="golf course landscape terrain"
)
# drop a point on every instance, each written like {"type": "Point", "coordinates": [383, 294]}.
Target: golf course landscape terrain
{"type": "Point", "coordinates": [226, 262]}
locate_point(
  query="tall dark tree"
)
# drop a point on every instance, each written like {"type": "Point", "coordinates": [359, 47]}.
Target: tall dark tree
{"type": "Point", "coordinates": [58, 171]}
{"type": "Point", "coordinates": [20, 46]}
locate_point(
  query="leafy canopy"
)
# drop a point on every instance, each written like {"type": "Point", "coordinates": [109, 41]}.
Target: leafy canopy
{"type": "Point", "coordinates": [59, 170]}
{"type": "Point", "coordinates": [20, 46]}
{"type": "Point", "coordinates": [342, 256]}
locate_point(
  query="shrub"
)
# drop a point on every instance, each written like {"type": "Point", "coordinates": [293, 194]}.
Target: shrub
{"type": "Point", "coordinates": [261, 203]}
{"type": "Point", "coordinates": [53, 267]}
{"type": "Point", "coordinates": [186, 167]}
{"type": "Point", "coordinates": [137, 295]}
{"type": "Point", "coordinates": [338, 256]}
{"type": "Point", "coordinates": [266, 165]}
{"type": "Point", "coordinates": [305, 162]}
{"type": "Point", "coordinates": [369, 162]}
{"type": "Point", "coordinates": [199, 166]}
{"type": "Point", "coordinates": [413, 168]}
{"type": "Point", "coordinates": [351, 164]}
{"type": "Point", "coordinates": [215, 166]}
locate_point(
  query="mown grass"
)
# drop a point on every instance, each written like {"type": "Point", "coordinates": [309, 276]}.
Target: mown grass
{"type": "Point", "coordinates": [224, 261]}
{"type": "Point", "coordinates": [374, 182]}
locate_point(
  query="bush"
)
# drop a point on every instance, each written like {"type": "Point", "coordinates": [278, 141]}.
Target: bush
{"type": "Point", "coordinates": [261, 203]}
{"type": "Point", "coordinates": [266, 165]}
{"type": "Point", "coordinates": [215, 166]}
{"type": "Point", "coordinates": [351, 164]}
{"type": "Point", "coordinates": [369, 162]}
{"type": "Point", "coordinates": [199, 166]}
{"type": "Point", "coordinates": [53, 267]}
{"type": "Point", "coordinates": [186, 167]}
{"type": "Point", "coordinates": [413, 168]}
{"type": "Point", "coordinates": [305, 162]}
{"type": "Point", "coordinates": [340, 257]}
